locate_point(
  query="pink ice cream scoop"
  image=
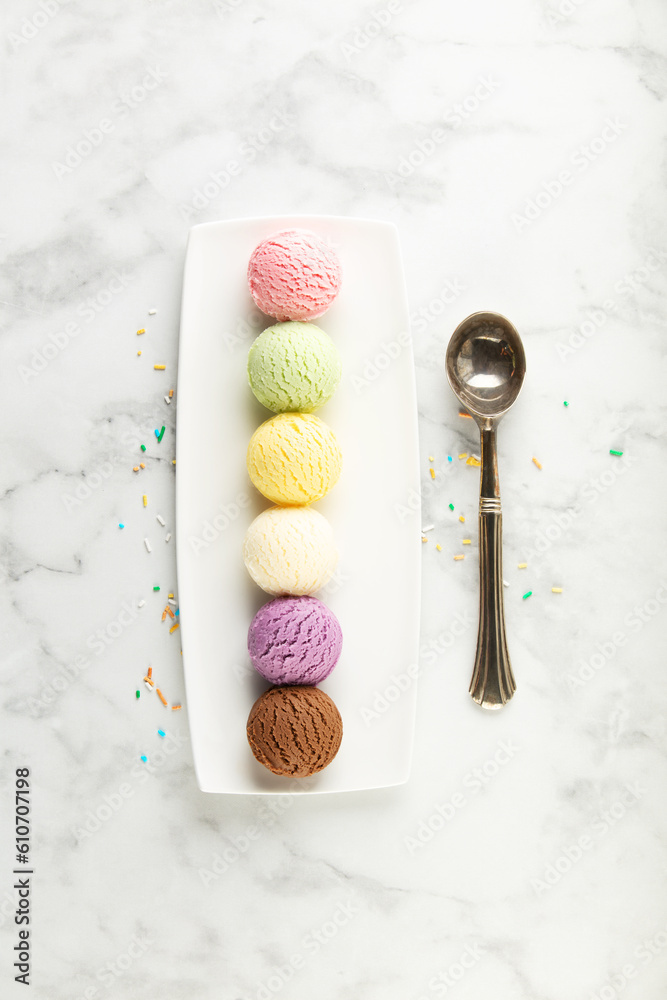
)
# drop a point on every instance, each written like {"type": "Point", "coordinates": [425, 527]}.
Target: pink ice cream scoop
{"type": "Point", "coordinates": [294, 275]}
{"type": "Point", "coordinates": [295, 640]}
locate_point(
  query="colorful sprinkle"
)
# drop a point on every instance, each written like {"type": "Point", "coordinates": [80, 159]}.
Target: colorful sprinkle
{"type": "Point", "coordinates": [464, 454]}
{"type": "Point", "coordinates": [141, 465]}
{"type": "Point", "coordinates": [556, 590]}
{"type": "Point", "coordinates": [138, 693]}
{"type": "Point", "coordinates": [150, 672]}
{"type": "Point", "coordinates": [565, 403]}
{"type": "Point", "coordinates": [424, 538]}
{"type": "Point", "coordinates": [173, 628]}
{"type": "Point", "coordinates": [145, 499]}
{"type": "Point", "coordinates": [121, 525]}
{"type": "Point", "coordinates": [159, 434]}
{"type": "Point", "coordinates": [462, 413]}
{"type": "Point", "coordinates": [466, 541]}
{"type": "Point", "coordinates": [161, 733]}
{"type": "Point", "coordinates": [139, 332]}
{"type": "Point", "coordinates": [432, 471]}
{"type": "Point", "coordinates": [458, 558]}
{"type": "Point", "coordinates": [169, 596]}
{"type": "Point", "coordinates": [160, 520]}
{"type": "Point", "coordinates": [167, 400]}
{"type": "Point", "coordinates": [462, 519]}
{"type": "Point", "coordinates": [473, 461]}
{"type": "Point", "coordinates": [612, 451]}
{"type": "Point", "coordinates": [168, 537]}
{"type": "Point", "coordinates": [138, 354]}
{"type": "Point", "coordinates": [161, 697]}
{"type": "Point", "coordinates": [141, 604]}
{"type": "Point", "coordinates": [439, 548]}
{"type": "Point", "coordinates": [431, 458]}
{"type": "Point", "coordinates": [152, 312]}
{"type": "Point", "coordinates": [521, 565]}
{"type": "Point", "coordinates": [505, 583]}
{"type": "Point", "coordinates": [155, 589]}
{"type": "Point", "coordinates": [526, 595]}
{"type": "Point", "coordinates": [535, 462]}
{"type": "Point", "coordinates": [135, 468]}
{"type": "Point", "coordinates": [169, 612]}
{"type": "Point", "coordinates": [164, 615]}
{"type": "Point", "coordinates": [144, 758]}
{"type": "Point", "coordinates": [171, 394]}
{"type": "Point", "coordinates": [451, 506]}
{"type": "Point", "coordinates": [148, 545]}
{"type": "Point", "coordinates": [149, 683]}
{"type": "Point", "coordinates": [176, 706]}
{"type": "Point", "coordinates": [428, 527]}
{"type": "Point", "coordinates": [159, 368]}
{"type": "Point", "coordinates": [143, 447]}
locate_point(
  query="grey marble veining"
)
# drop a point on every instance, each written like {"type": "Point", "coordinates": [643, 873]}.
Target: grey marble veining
{"type": "Point", "coordinates": [519, 148]}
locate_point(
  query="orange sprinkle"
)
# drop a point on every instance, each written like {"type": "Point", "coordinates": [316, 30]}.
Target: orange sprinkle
{"type": "Point", "coordinates": [176, 707]}
{"type": "Point", "coordinates": [462, 413]}
{"type": "Point", "coordinates": [135, 468]}
{"type": "Point", "coordinates": [164, 614]}
{"type": "Point", "coordinates": [536, 463]}
{"type": "Point", "coordinates": [161, 697]}
{"type": "Point", "coordinates": [171, 396]}
{"type": "Point", "coordinates": [141, 465]}
{"type": "Point", "coordinates": [139, 332]}
{"type": "Point", "coordinates": [173, 628]}
{"type": "Point", "coordinates": [149, 681]}
{"type": "Point", "coordinates": [472, 461]}
{"type": "Point", "coordinates": [170, 612]}
{"type": "Point", "coordinates": [150, 671]}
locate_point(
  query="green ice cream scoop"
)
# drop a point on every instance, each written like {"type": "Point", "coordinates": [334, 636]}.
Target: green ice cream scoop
{"type": "Point", "coordinates": [293, 368]}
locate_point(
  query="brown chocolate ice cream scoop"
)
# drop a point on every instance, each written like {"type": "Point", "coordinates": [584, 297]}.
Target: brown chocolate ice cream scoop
{"type": "Point", "coordinates": [294, 731]}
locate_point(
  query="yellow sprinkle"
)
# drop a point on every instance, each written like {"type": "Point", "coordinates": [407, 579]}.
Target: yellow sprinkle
{"type": "Point", "coordinates": [439, 548]}
{"type": "Point", "coordinates": [462, 519]}
{"type": "Point", "coordinates": [521, 565]}
{"type": "Point", "coordinates": [424, 538]}
{"type": "Point", "coordinates": [173, 461]}
{"type": "Point", "coordinates": [432, 471]}
{"type": "Point", "coordinates": [537, 463]}
{"type": "Point", "coordinates": [145, 500]}
{"type": "Point", "coordinates": [159, 368]}
{"type": "Point", "coordinates": [173, 628]}
{"type": "Point", "coordinates": [556, 590]}
{"type": "Point", "coordinates": [473, 461]}
{"type": "Point", "coordinates": [456, 558]}
{"type": "Point", "coordinates": [464, 454]}
{"type": "Point", "coordinates": [139, 332]}
{"type": "Point", "coordinates": [169, 595]}
{"type": "Point", "coordinates": [138, 354]}
{"type": "Point", "coordinates": [431, 458]}
{"type": "Point", "coordinates": [466, 541]}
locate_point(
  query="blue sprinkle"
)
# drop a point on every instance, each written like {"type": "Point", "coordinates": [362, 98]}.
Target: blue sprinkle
{"type": "Point", "coordinates": [121, 525]}
{"type": "Point", "coordinates": [449, 458]}
{"type": "Point", "coordinates": [161, 733]}
{"type": "Point", "coordinates": [144, 758]}
{"type": "Point", "coordinates": [178, 611]}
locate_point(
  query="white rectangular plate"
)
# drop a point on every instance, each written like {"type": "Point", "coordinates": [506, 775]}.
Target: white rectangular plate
{"type": "Point", "coordinates": [375, 593]}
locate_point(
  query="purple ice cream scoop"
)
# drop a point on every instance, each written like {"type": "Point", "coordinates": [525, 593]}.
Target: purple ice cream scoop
{"type": "Point", "coordinates": [295, 640]}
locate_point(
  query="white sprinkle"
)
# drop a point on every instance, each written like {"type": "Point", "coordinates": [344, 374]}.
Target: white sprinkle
{"type": "Point", "coordinates": [149, 686]}
{"type": "Point", "coordinates": [477, 458]}
{"type": "Point", "coordinates": [505, 583]}
{"type": "Point", "coordinates": [152, 312]}
{"type": "Point", "coordinates": [161, 520]}
{"type": "Point", "coordinates": [167, 400]}
{"type": "Point", "coordinates": [168, 537]}
{"type": "Point", "coordinates": [148, 545]}
{"type": "Point", "coordinates": [170, 600]}
{"type": "Point", "coordinates": [429, 527]}
{"type": "Point", "coordinates": [141, 604]}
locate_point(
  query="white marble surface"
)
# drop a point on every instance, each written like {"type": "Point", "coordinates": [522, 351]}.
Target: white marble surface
{"type": "Point", "coordinates": [335, 891]}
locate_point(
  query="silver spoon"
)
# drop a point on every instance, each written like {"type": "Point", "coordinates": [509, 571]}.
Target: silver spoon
{"type": "Point", "coordinates": [485, 366]}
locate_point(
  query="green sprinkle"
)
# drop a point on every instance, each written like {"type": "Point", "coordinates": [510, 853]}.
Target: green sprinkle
{"type": "Point", "coordinates": [143, 447]}
{"type": "Point", "coordinates": [156, 588]}
{"type": "Point", "coordinates": [451, 506]}
{"type": "Point", "coordinates": [612, 452]}
{"type": "Point", "coordinates": [527, 595]}
{"type": "Point", "coordinates": [565, 403]}
{"type": "Point", "coordinates": [138, 694]}
{"type": "Point", "coordinates": [159, 435]}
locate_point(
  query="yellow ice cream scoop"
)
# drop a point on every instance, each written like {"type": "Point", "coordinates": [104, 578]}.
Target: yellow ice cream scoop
{"type": "Point", "coordinates": [294, 459]}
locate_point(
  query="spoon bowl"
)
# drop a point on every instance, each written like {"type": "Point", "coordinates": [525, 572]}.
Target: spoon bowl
{"type": "Point", "coordinates": [486, 365]}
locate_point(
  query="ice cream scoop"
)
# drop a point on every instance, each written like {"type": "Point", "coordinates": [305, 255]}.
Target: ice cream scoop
{"type": "Point", "coordinates": [294, 731]}
{"type": "Point", "coordinates": [294, 275]}
{"type": "Point", "coordinates": [295, 640]}
{"type": "Point", "coordinates": [293, 367]}
{"type": "Point", "coordinates": [294, 459]}
{"type": "Point", "coordinates": [290, 550]}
